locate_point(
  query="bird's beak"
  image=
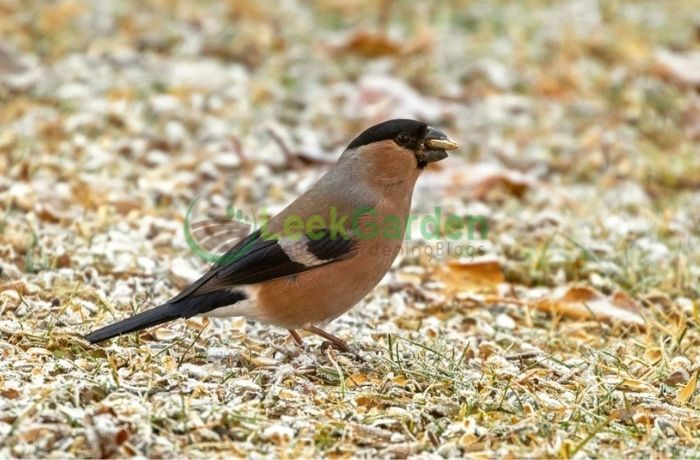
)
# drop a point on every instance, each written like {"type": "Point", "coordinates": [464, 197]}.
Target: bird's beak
{"type": "Point", "coordinates": [435, 146]}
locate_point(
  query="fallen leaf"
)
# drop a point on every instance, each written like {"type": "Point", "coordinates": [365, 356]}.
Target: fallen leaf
{"type": "Point", "coordinates": [587, 303]}
{"type": "Point", "coordinates": [455, 176]}
{"type": "Point", "coordinates": [370, 401]}
{"type": "Point", "coordinates": [164, 334]}
{"type": "Point", "coordinates": [356, 380]}
{"type": "Point", "coordinates": [125, 205]}
{"type": "Point", "coordinates": [39, 351]}
{"type": "Point", "coordinates": [687, 392]}
{"type": "Point", "coordinates": [503, 182]}
{"type": "Point", "coordinates": [635, 385]}
{"type": "Point", "coordinates": [263, 361]}
{"type": "Point", "coordinates": [373, 44]}
{"type": "Point", "coordinates": [10, 393]}
{"type": "Point", "coordinates": [169, 363]}
{"type": "Point", "coordinates": [369, 44]}
{"type": "Point", "coordinates": [278, 434]}
{"type": "Point", "coordinates": [32, 435]}
{"type": "Point", "coordinates": [677, 377]}
{"type": "Point", "coordinates": [652, 355]}
{"type": "Point", "coordinates": [14, 289]}
{"type": "Point", "coordinates": [470, 274]}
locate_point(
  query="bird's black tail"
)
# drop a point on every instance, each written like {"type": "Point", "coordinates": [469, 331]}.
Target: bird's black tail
{"type": "Point", "coordinates": [149, 318]}
{"type": "Point", "coordinates": [177, 308]}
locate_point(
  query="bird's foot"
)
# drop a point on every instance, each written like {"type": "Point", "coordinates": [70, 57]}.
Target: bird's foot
{"type": "Point", "coordinates": [326, 345]}
{"type": "Point", "coordinates": [331, 341]}
{"type": "Point", "coordinates": [337, 343]}
{"type": "Point", "coordinates": [289, 352]}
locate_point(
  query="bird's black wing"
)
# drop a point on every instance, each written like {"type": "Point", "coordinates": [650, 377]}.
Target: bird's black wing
{"type": "Point", "coordinates": [260, 257]}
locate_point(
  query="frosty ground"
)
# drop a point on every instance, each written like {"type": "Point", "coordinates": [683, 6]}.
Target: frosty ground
{"type": "Point", "coordinates": [572, 333]}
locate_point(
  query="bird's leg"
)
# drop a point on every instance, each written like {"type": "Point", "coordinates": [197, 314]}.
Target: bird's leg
{"type": "Point", "coordinates": [296, 337]}
{"type": "Point", "coordinates": [339, 343]}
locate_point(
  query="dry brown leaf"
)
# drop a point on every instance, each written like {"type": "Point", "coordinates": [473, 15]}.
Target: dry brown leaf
{"type": "Point", "coordinates": [652, 355]}
{"type": "Point", "coordinates": [165, 334]}
{"type": "Point", "coordinates": [125, 205]}
{"type": "Point", "coordinates": [558, 82]}
{"type": "Point", "coordinates": [34, 434]}
{"type": "Point", "coordinates": [198, 323]}
{"type": "Point", "coordinates": [374, 44]}
{"type": "Point", "coordinates": [677, 377]}
{"type": "Point", "coordinates": [18, 287]}
{"type": "Point", "coordinates": [503, 182]}
{"type": "Point", "coordinates": [455, 176]}
{"type": "Point", "coordinates": [264, 361]}
{"type": "Point", "coordinates": [370, 401]}
{"type": "Point", "coordinates": [635, 385]}
{"type": "Point", "coordinates": [169, 363]}
{"type": "Point", "coordinates": [49, 213]}
{"type": "Point", "coordinates": [687, 392]}
{"type": "Point", "coordinates": [10, 393]}
{"type": "Point", "coordinates": [356, 380]}
{"type": "Point", "coordinates": [624, 415]}
{"type": "Point", "coordinates": [465, 274]}
{"type": "Point", "coordinates": [370, 44]}
{"type": "Point", "coordinates": [586, 303]}
{"type": "Point", "coordinates": [87, 195]}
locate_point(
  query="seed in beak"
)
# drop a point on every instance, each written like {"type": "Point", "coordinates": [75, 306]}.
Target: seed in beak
{"type": "Point", "coordinates": [441, 144]}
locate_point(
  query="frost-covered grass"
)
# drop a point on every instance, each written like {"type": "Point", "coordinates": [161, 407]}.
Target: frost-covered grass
{"type": "Point", "coordinates": [575, 334]}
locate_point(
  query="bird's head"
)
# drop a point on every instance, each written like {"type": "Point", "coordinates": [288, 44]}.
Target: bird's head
{"type": "Point", "coordinates": [401, 144]}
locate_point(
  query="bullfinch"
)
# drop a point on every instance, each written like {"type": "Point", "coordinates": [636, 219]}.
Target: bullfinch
{"type": "Point", "coordinates": [325, 251]}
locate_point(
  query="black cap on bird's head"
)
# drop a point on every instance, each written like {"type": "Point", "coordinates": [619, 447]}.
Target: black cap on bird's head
{"type": "Point", "coordinates": [427, 143]}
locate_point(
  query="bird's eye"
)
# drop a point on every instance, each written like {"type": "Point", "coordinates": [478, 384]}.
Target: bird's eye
{"type": "Point", "coordinates": [402, 139]}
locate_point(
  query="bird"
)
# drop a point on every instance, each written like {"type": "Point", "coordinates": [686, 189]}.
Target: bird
{"type": "Point", "coordinates": [321, 254]}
